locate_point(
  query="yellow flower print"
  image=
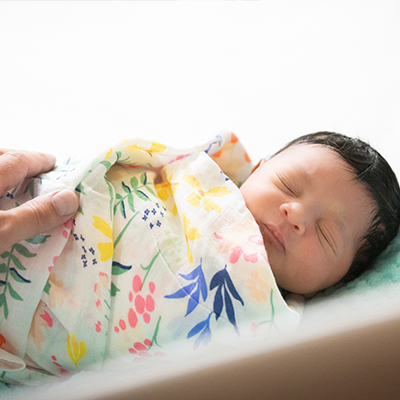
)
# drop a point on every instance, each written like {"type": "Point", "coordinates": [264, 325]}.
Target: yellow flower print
{"type": "Point", "coordinates": [106, 249]}
{"type": "Point", "coordinates": [154, 148]}
{"type": "Point", "coordinates": [164, 190]}
{"type": "Point", "coordinates": [76, 351]}
{"type": "Point", "coordinates": [190, 234]}
{"type": "Point", "coordinates": [258, 285]}
{"type": "Point", "coordinates": [109, 152]}
{"type": "Point", "coordinates": [195, 198]}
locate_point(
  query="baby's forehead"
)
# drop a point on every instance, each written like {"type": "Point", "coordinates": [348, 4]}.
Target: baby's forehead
{"type": "Point", "coordinates": [309, 159]}
{"type": "Point", "coordinates": [310, 153]}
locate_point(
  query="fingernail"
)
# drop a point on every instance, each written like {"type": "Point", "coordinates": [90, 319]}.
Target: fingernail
{"type": "Point", "coordinates": [65, 202]}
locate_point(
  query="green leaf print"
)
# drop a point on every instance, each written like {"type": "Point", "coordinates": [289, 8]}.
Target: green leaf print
{"type": "Point", "coordinates": [142, 195]}
{"type": "Point", "coordinates": [133, 189]}
{"type": "Point", "coordinates": [119, 269]}
{"type": "Point", "coordinates": [23, 250]}
{"type": "Point", "coordinates": [114, 290]}
{"type": "Point", "coordinates": [17, 263]}
{"type": "Point", "coordinates": [134, 183]}
{"type": "Point", "coordinates": [10, 270]}
{"type": "Point", "coordinates": [39, 239]}
{"type": "Point", "coordinates": [13, 293]}
{"type": "Point", "coordinates": [130, 202]}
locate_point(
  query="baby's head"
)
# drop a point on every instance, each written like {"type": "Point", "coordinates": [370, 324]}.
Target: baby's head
{"type": "Point", "coordinates": [327, 205]}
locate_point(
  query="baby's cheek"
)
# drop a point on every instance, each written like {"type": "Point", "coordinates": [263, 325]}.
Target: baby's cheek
{"type": "Point", "coordinates": [307, 264]}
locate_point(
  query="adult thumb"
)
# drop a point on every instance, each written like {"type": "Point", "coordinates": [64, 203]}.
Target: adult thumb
{"type": "Point", "coordinates": [36, 216]}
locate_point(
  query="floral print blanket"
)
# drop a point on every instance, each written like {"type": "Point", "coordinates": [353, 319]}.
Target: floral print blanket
{"type": "Point", "coordinates": [162, 250]}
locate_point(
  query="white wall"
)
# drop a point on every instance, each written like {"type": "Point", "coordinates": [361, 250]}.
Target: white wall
{"type": "Point", "coordinates": [74, 75]}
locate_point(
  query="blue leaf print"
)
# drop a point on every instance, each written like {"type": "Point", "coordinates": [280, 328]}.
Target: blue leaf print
{"type": "Point", "coordinates": [205, 335]}
{"type": "Point", "coordinates": [232, 288]}
{"type": "Point", "coordinates": [193, 290]}
{"type": "Point", "coordinates": [223, 282]}
{"type": "Point", "coordinates": [217, 279]}
{"type": "Point", "coordinates": [218, 302]}
{"type": "Point", "coordinates": [193, 301]}
{"type": "Point", "coordinates": [183, 292]}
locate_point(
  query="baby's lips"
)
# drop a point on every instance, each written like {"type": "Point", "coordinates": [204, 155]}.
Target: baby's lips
{"type": "Point", "coordinates": [275, 236]}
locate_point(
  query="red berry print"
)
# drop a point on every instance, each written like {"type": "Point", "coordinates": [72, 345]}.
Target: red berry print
{"type": "Point", "coordinates": [139, 304]}
{"type": "Point", "coordinates": [116, 329]}
{"type": "Point", "coordinates": [98, 326]}
{"type": "Point", "coordinates": [149, 303]}
{"type": "Point", "coordinates": [143, 305]}
{"type": "Point", "coordinates": [139, 346]}
{"type": "Point", "coordinates": [132, 318]}
{"type": "Point", "coordinates": [122, 324]}
{"type": "Point", "coordinates": [132, 351]}
{"type": "Point", "coordinates": [147, 342]}
{"type": "Point", "coordinates": [136, 284]}
{"type": "Point", "coordinates": [69, 223]}
{"type": "Point", "coordinates": [146, 317]}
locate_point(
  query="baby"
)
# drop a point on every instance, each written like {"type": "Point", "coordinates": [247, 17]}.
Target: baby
{"type": "Point", "coordinates": [327, 205]}
{"type": "Point", "coordinates": [166, 249]}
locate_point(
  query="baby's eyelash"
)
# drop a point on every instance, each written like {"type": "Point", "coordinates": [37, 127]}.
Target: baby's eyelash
{"type": "Point", "coordinates": [285, 183]}
{"type": "Point", "coordinates": [326, 237]}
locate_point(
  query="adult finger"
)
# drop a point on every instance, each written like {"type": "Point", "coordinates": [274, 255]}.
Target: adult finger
{"type": "Point", "coordinates": [36, 216]}
{"type": "Point", "coordinates": [17, 165]}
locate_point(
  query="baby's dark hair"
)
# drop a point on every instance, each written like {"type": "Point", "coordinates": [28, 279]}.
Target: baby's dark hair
{"type": "Point", "coordinates": [373, 171]}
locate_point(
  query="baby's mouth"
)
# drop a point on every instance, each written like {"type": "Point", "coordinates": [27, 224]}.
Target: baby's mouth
{"type": "Point", "coordinates": [272, 235]}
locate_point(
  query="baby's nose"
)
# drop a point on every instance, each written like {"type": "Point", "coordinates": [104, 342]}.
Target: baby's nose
{"type": "Point", "coordinates": [295, 215]}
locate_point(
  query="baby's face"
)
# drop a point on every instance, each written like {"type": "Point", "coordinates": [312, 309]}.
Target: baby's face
{"type": "Point", "coordinates": [312, 214]}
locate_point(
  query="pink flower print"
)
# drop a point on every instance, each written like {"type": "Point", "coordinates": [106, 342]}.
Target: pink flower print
{"type": "Point", "coordinates": [46, 317]}
{"type": "Point", "coordinates": [98, 326]}
{"type": "Point", "coordinates": [97, 289]}
{"type": "Point", "coordinates": [104, 279]}
{"type": "Point", "coordinates": [257, 239]}
{"type": "Point", "coordinates": [238, 251]}
{"type": "Point", "coordinates": [63, 372]}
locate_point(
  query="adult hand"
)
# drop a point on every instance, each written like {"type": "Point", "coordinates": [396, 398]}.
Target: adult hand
{"type": "Point", "coordinates": [39, 214]}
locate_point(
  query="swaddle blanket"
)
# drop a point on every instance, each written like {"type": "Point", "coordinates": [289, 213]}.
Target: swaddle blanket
{"type": "Point", "coordinates": [162, 250]}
